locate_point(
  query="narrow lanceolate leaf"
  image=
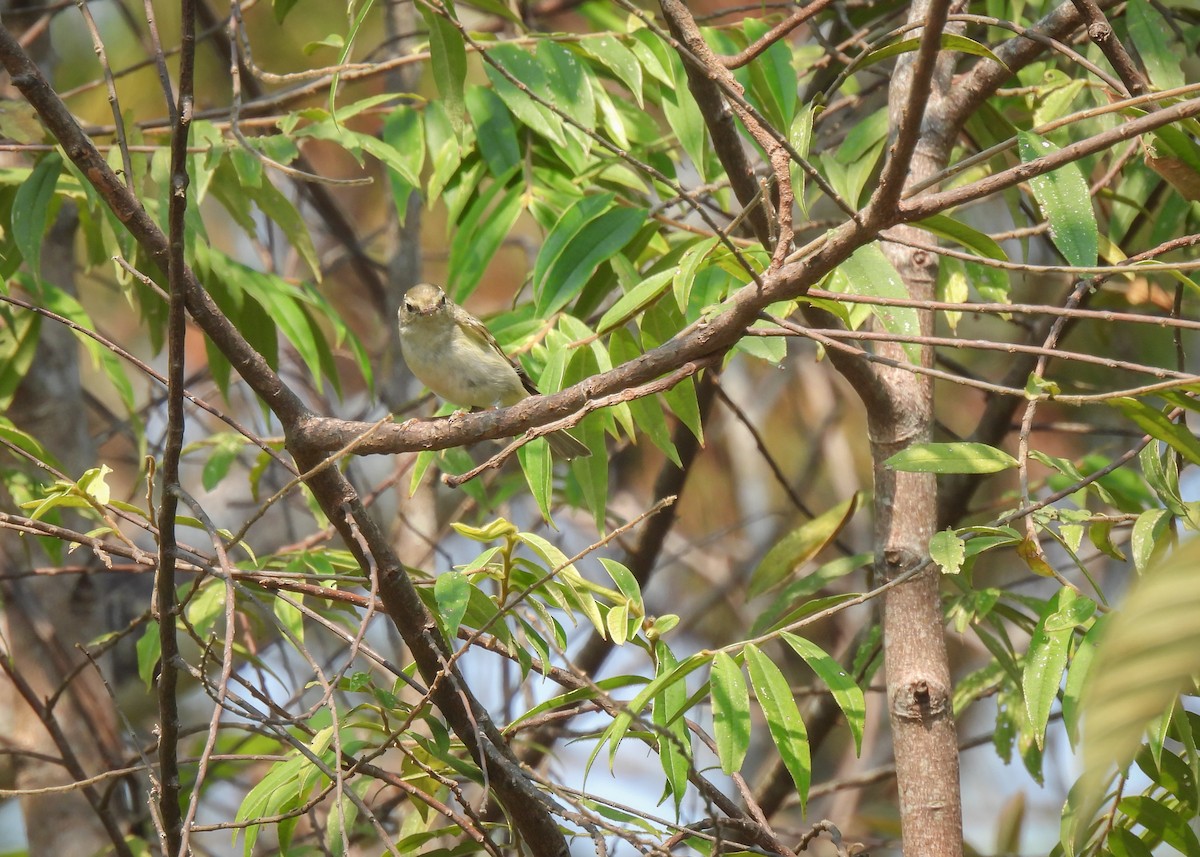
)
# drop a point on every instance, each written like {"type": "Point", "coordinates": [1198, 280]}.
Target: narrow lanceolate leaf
{"type": "Point", "coordinates": [846, 692]}
{"type": "Point", "coordinates": [584, 246]}
{"type": "Point", "coordinates": [521, 65]}
{"type": "Point", "coordinates": [618, 59]}
{"type": "Point", "coordinates": [31, 208]}
{"type": "Point", "coordinates": [950, 42]}
{"type": "Point", "coordinates": [452, 591]}
{"type": "Point", "coordinates": [869, 273]}
{"type": "Point", "coordinates": [1065, 201]}
{"type": "Point", "coordinates": [635, 300]}
{"type": "Point", "coordinates": [481, 231]}
{"type": "Point", "coordinates": [1150, 33]}
{"type": "Point", "coordinates": [570, 87]}
{"type": "Point", "coordinates": [969, 237]}
{"type": "Point", "coordinates": [956, 457]}
{"type": "Point", "coordinates": [731, 712]}
{"type": "Point", "coordinates": [1047, 657]}
{"type": "Point", "coordinates": [799, 546]}
{"type": "Point", "coordinates": [783, 719]}
{"type": "Point", "coordinates": [674, 740]}
{"type": "Point", "coordinates": [1155, 423]}
{"type": "Point", "coordinates": [448, 53]}
{"type": "Point", "coordinates": [1077, 677]}
{"type": "Point", "coordinates": [494, 124]}
{"type": "Point", "coordinates": [1168, 822]}
{"type": "Point", "coordinates": [403, 131]}
{"type": "Point", "coordinates": [1148, 653]}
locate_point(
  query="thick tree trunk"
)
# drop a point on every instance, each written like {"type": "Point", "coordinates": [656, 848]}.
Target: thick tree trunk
{"type": "Point", "coordinates": [918, 674]}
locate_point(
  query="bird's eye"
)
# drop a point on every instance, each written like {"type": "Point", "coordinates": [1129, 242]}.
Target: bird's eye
{"type": "Point", "coordinates": [441, 300]}
{"type": "Point", "coordinates": [408, 306]}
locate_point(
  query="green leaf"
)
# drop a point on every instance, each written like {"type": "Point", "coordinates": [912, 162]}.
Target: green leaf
{"type": "Point", "coordinates": [684, 118]}
{"type": "Point", "coordinates": [1155, 423]}
{"type": "Point", "coordinates": [1165, 822]}
{"type": "Point", "coordinates": [647, 411]}
{"type": "Point", "coordinates": [1065, 201]}
{"type": "Point", "coordinates": [618, 59]}
{"type": "Point", "coordinates": [955, 457]}
{"type": "Point", "coordinates": [445, 151]}
{"type": "Point", "coordinates": [1125, 843]}
{"type": "Point", "coordinates": [948, 551]}
{"type": "Point", "coordinates": [685, 272]}
{"type": "Point", "coordinates": [404, 134]}
{"type": "Point", "coordinates": [772, 75]}
{"type": "Point", "coordinates": [275, 205]}
{"type": "Point", "coordinates": [498, 8]}
{"type": "Point", "coordinates": [789, 605]}
{"type": "Point", "coordinates": [617, 623]}
{"type": "Point", "coordinates": [149, 651]}
{"type": "Point", "coordinates": [1149, 31]}
{"type": "Point", "coordinates": [448, 53]}
{"type": "Point", "coordinates": [483, 228]}
{"type": "Point", "coordinates": [27, 442]}
{"type": "Point", "coordinates": [1077, 677]}
{"type": "Point", "coordinates": [281, 8]}
{"type": "Point", "coordinates": [846, 693]}
{"type": "Point", "coordinates": [625, 581]}
{"type": "Point", "coordinates": [869, 273]}
{"type": "Point", "coordinates": [635, 300]}
{"type": "Point", "coordinates": [674, 740]}
{"type": "Point", "coordinates": [452, 590]}
{"type": "Point", "coordinates": [526, 69]}
{"type": "Point", "coordinates": [969, 237]}
{"type": "Point", "coordinates": [731, 712]}
{"type": "Point", "coordinates": [31, 210]}
{"type": "Point", "coordinates": [538, 468]}
{"type": "Point", "coordinates": [284, 304]}
{"type": "Point", "coordinates": [800, 545]}
{"type": "Point", "coordinates": [495, 130]}
{"type": "Point", "coordinates": [579, 244]}
{"type": "Point", "coordinates": [570, 88]}
{"type": "Point", "coordinates": [226, 446]}
{"type": "Point", "coordinates": [653, 55]}
{"type": "Point", "coordinates": [783, 719]}
{"type": "Point", "coordinates": [290, 616]}
{"type": "Point", "coordinates": [18, 346]}
{"type": "Point", "coordinates": [1045, 661]}
{"type": "Point", "coordinates": [1149, 652]}
{"type": "Point", "coordinates": [1151, 531]}
{"type": "Point", "coordinates": [950, 42]}
{"type": "Point", "coordinates": [568, 575]}
{"type": "Point", "coordinates": [1054, 101]}
{"type": "Point", "coordinates": [1175, 155]}
{"type": "Point", "coordinates": [617, 730]}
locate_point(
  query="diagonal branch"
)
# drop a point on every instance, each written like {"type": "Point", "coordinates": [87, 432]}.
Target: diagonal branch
{"type": "Point", "coordinates": [1101, 32]}
{"type": "Point", "coordinates": [775, 34]}
{"type": "Point", "coordinates": [927, 204]}
{"type": "Point", "coordinates": [702, 82]}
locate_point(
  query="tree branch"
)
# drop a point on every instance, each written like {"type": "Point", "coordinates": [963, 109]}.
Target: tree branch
{"type": "Point", "coordinates": [166, 606]}
{"type": "Point", "coordinates": [774, 34]}
{"type": "Point", "coordinates": [933, 203]}
{"type": "Point", "coordinates": [918, 85]}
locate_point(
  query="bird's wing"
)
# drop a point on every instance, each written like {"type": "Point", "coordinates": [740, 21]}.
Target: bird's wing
{"type": "Point", "coordinates": [477, 330]}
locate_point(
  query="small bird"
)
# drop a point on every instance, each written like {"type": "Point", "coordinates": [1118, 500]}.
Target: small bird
{"type": "Point", "coordinates": [453, 354]}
